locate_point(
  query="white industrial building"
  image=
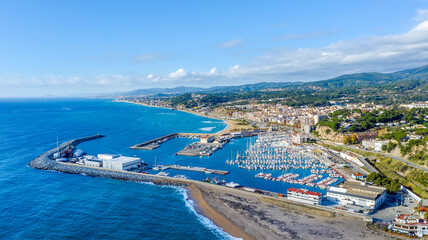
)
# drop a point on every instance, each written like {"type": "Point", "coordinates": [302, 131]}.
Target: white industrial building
{"type": "Point", "coordinates": [92, 161]}
{"type": "Point", "coordinates": [116, 162]}
{"type": "Point", "coordinates": [358, 194]}
{"type": "Point", "coordinates": [304, 196]}
{"type": "Point", "coordinates": [112, 161]}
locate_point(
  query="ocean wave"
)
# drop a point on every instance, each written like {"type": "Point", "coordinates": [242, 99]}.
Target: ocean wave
{"type": "Point", "coordinates": [207, 122]}
{"type": "Point", "coordinates": [206, 129]}
{"type": "Point", "coordinates": [204, 220]}
{"type": "Point", "coordinates": [147, 183]}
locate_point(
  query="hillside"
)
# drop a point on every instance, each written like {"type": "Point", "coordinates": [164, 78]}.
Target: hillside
{"type": "Point", "coordinates": [405, 80]}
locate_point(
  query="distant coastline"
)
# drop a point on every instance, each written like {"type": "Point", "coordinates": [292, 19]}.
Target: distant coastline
{"type": "Point", "coordinates": [227, 122]}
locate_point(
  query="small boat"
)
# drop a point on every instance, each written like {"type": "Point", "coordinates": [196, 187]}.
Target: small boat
{"type": "Point", "coordinates": [180, 176]}
{"type": "Point", "coordinates": [163, 174]}
{"type": "Point", "coordinates": [232, 185]}
{"type": "Point", "coordinates": [208, 172]}
{"type": "Point", "coordinates": [249, 189]}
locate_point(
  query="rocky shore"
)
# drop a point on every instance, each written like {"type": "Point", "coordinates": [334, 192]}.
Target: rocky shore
{"type": "Point", "coordinates": [45, 162]}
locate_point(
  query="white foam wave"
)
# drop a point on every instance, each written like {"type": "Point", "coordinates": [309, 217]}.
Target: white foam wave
{"type": "Point", "coordinates": [207, 122]}
{"type": "Point", "coordinates": [147, 183]}
{"type": "Point", "coordinates": [204, 220]}
{"type": "Point", "coordinates": [206, 129]}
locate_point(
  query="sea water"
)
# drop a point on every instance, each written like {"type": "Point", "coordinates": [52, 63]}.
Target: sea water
{"type": "Point", "coordinates": [37, 204]}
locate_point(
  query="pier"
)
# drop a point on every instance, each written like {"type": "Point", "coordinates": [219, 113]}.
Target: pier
{"type": "Point", "coordinates": [155, 143]}
{"type": "Point", "coordinates": [195, 169]}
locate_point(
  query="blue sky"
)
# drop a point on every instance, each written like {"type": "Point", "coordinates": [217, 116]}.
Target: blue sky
{"type": "Point", "coordinates": [79, 47]}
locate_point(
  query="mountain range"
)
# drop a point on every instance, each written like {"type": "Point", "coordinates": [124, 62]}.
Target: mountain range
{"type": "Point", "coordinates": [417, 77]}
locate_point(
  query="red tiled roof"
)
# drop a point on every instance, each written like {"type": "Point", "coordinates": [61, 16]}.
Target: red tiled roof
{"type": "Point", "coordinates": [303, 191]}
{"type": "Point", "coordinates": [424, 209]}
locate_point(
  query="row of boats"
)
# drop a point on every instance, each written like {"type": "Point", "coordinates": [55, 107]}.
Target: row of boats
{"type": "Point", "coordinates": [274, 151]}
{"type": "Point", "coordinates": [292, 178]}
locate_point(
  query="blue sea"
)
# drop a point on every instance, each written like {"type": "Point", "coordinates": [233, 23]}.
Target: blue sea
{"type": "Point", "coordinates": [37, 204]}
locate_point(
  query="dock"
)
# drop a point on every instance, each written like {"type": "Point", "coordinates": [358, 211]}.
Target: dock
{"type": "Point", "coordinates": [194, 169]}
{"type": "Point", "coordinates": [155, 143]}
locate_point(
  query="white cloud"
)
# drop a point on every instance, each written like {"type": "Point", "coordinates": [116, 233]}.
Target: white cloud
{"type": "Point", "coordinates": [422, 15]}
{"type": "Point", "coordinates": [231, 44]}
{"type": "Point", "coordinates": [180, 73]}
{"type": "Point", "coordinates": [376, 53]}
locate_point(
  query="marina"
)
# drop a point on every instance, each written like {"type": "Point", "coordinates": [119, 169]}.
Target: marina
{"type": "Point", "coordinates": [276, 152]}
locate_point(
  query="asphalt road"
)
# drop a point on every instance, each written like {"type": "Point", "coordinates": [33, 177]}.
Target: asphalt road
{"type": "Point", "coordinates": [387, 155]}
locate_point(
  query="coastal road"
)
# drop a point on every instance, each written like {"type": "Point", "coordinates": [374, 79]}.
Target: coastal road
{"type": "Point", "coordinates": [383, 154]}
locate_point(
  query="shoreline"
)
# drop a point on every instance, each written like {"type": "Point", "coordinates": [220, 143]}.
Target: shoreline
{"type": "Point", "coordinates": [241, 214]}
{"type": "Point", "coordinates": [248, 216]}
{"type": "Point", "coordinates": [228, 124]}
{"type": "Point", "coordinates": [203, 208]}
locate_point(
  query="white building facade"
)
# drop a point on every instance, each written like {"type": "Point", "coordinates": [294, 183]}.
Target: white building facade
{"type": "Point", "coordinates": [116, 162]}
{"type": "Point", "coordinates": [304, 196]}
{"type": "Point", "coordinates": [112, 161]}
{"type": "Point", "coordinates": [365, 196]}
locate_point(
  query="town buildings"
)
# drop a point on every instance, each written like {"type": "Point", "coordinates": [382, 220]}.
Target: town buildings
{"type": "Point", "coordinates": [207, 138]}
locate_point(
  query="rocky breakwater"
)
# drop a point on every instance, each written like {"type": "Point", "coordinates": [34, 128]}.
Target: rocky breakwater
{"type": "Point", "coordinates": [46, 162]}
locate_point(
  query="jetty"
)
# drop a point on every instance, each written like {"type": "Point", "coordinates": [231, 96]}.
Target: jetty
{"type": "Point", "coordinates": [155, 143]}
{"type": "Point", "coordinates": [47, 162]}
{"type": "Point", "coordinates": [195, 169]}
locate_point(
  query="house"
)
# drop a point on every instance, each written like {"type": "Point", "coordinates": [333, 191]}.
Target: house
{"type": "Point", "coordinates": [207, 139]}
{"type": "Point", "coordinates": [359, 176]}
{"type": "Point", "coordinates": [410, 225]}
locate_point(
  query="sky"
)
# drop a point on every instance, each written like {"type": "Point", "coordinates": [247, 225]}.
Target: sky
{"type": "Point", "coordinates": [71, 48]}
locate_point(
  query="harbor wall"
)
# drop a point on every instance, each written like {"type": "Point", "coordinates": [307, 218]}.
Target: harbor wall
{"type": "Point", "coordinates": [46, 162]}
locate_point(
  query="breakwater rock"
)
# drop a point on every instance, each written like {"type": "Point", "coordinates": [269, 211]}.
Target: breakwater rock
{"type": "Point", "coordinates": [46, 162]}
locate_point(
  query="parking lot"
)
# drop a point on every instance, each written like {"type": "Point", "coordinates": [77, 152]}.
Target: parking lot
{"type": "Point", "coordinates": [395, 204]}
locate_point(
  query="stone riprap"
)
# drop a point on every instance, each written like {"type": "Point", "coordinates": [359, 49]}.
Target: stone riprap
{"type": "Point", "coordinates": [46, 162]}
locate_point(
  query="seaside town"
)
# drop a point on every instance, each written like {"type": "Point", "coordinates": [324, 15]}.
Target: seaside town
{"type": "Point", "coordinates": [316, 151]}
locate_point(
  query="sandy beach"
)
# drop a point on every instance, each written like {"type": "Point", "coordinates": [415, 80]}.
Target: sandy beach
{"type": "Point", "coordinates": [203, 208]}
{"type": "Point", "coordinates": [230, 124]}
{"type": "Point", "coordinates": [251, 216]}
